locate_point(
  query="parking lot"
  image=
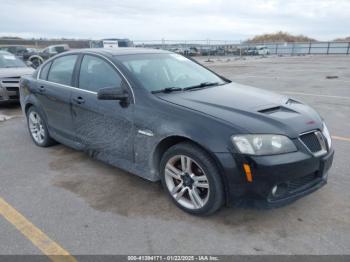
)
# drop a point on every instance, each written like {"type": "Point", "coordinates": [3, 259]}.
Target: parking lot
{"type": "Point", "coordinates": [88, 207]}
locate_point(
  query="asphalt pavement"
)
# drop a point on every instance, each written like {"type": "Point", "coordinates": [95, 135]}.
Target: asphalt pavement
{"type": "Point", "coordinates": [88, 207]}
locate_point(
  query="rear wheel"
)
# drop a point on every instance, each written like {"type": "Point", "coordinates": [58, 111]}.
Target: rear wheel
{"type": "Point", "coordinates": [38, 128]}
{"type": "Point", "coordinates": [192, 179]}
{"type": "Point", "coordinates": [36, 62]}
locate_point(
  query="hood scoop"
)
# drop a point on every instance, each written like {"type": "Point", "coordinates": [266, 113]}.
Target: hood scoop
{"type": "Point", "coordinates": [271, 110]}
{"type": "Point", "coordinates": [279, 112]}
{"type": "Point", "coordinates": [292, 102]}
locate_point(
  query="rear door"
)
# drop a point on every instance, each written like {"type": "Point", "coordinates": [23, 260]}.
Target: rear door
{"type": "Point", "coordinates": [54, 93]}
{"type": "Point", "coordinates": [102, 126]}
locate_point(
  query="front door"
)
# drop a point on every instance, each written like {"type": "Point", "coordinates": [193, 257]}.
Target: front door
{"type": "Point", "coordinates": [103, 127]}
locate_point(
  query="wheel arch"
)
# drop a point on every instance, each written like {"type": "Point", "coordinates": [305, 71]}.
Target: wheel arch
{"type": "Point", "coordinates": [33, 102]}
{"type": "Point", "coordinates": [170, 141]}
{"type": "Point", "coordinates": [36, 57]}
{"type": "Point", "coordinates": [27, 106]}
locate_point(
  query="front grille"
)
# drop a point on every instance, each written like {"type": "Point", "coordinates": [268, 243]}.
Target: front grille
{"type": "Point", "coordinates": [14, 79]}
{"type": "Point", "coordinates": [311, 141]}
{"type": "Point", "coordinates": [12, 88]}
{"type": "Point", "coordinates": [295, 184]}
{"type": "Point", "coordinates": [10, 82]}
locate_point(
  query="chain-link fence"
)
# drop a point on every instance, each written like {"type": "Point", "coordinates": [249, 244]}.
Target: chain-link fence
{"type": "Point", "coordinates": [222, 47]}
{"type": "Point", "coordinates": [208, 47]}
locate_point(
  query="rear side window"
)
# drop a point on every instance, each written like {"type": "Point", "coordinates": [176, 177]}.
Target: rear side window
{"type": "Point", "coordinates": [61, 71]}
{"type": "Point", "coordinates": [96, 73]}
{"type": "Point", "coordinates": [44, 71]}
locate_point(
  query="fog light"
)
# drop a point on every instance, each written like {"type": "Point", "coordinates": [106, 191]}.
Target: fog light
{"type": "Point", "coordinates": [274, 190]}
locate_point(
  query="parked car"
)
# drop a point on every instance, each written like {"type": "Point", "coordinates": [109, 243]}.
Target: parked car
{"type": "Point", "coordinates": [187, 51]}
{"type": "Point", "coordinates": [258, 50]}
{"type": "Point", "coordinates": [191, 51]}
{"type": "Point", "coordinates": [204, 51]}
{"type": "Point", "coordinates": [16, 50]}
{"type": "Point", "coordinates": [221, 51]}
{"type": "Point", "coordinates": [165, 117]}
{"type": "Point", "coordinates": [20, 51]}
{"type": "Point", "coordinates": [11, 69]}
{"type": "Point", "coordinates": [50, 51]}
{"type": "Point", "coordinates": [30, 52]}
{"type": "Point", "coordinates": [251, 51]}
{"type": "Point", "coordinates": [177, 50]}
{"type": "Point", "coordinates": [262, 50]}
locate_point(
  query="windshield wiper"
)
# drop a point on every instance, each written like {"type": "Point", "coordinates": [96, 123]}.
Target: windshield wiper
{"type": "Point", "coordinates": [201, 85]}
{"type": "Point", "coordinates": [167, 90]}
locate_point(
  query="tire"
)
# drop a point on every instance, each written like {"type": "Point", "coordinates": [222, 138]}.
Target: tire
{"type": "Point", "coordinates": [37, 128]}
{"type": "Point", "coordinates": [36, 62]}
{"type": "Point", "coordinates": [188, 172]}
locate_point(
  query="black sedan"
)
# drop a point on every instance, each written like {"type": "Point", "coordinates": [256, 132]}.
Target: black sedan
{"type": "Point", "coordinates": [164, 117]}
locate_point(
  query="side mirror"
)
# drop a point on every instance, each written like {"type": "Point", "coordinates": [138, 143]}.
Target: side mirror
{"type": "Point", "coordinates": [113, 93]}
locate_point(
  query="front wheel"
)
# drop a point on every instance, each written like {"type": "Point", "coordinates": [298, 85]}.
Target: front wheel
{"type": "Point", "coordinates": [191, 178]}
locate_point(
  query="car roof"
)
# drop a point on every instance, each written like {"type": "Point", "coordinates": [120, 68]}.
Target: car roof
{"type": "Point", "coordinates": [121, 51]}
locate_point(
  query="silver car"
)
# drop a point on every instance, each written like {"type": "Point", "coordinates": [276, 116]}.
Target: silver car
{"type": "Point", "coordinates": [11, 70]}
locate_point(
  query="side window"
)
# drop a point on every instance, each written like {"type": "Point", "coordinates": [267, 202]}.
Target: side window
{"type": "Point", "coordinates": [44, 71]}
{"type": "Point", "coordinates": [95, 73]}
{"type": "Point", "coordinates": [61, 71]}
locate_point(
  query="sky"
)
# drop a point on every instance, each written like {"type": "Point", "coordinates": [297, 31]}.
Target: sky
{"type": "Point", "coordinates": [174, 19]}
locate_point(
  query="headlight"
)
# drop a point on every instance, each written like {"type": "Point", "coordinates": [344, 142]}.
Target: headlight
{"type": "Point", "coordinates": [326, 134]}
{"type": "Point", "coordinates": [263, 144]}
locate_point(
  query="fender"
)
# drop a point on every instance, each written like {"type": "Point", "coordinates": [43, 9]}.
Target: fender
{"type": "Point", "coordinates": [32, 101]}
{"type": "Point", "coordinates": [153, 138]}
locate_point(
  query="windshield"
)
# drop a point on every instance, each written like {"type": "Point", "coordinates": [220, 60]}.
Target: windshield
{"type": "Point", "coordinates": [8, 60]}
{"type": "Point", "coordinates": [160, 71]}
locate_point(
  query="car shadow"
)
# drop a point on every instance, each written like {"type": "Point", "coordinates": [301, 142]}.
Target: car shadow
{"type": "Point", "coordinates": [9, 111]}
{"type": "Point", "coordinates": [109, 189]}
{"type": "Point", "coordinates": [9, 106]}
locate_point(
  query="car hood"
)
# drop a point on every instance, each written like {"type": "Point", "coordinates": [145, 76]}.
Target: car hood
{"type": "Point", "coordinates": [249, 109]}
{"type": "Point", "coordinates": [15, 72]}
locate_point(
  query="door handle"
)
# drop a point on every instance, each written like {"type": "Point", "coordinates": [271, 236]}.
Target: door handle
{"type": "Point", "coordinates": [42, 89]}
{"type": "Point", "coordinates": [79, 100]}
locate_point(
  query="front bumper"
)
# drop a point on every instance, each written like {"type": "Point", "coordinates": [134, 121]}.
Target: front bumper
{"type": "Point", "coordinates": [9, 95]}
{"type": "Point", "coordinates": [295, 174]}
{"type": "Point", "coordinates": [9, 89]}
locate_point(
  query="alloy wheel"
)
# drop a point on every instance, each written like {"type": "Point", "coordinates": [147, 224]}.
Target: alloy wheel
{"type": "Point", "coordinates": [187, 182]}
{"type": "Point", "coordinates": [36, 127]}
